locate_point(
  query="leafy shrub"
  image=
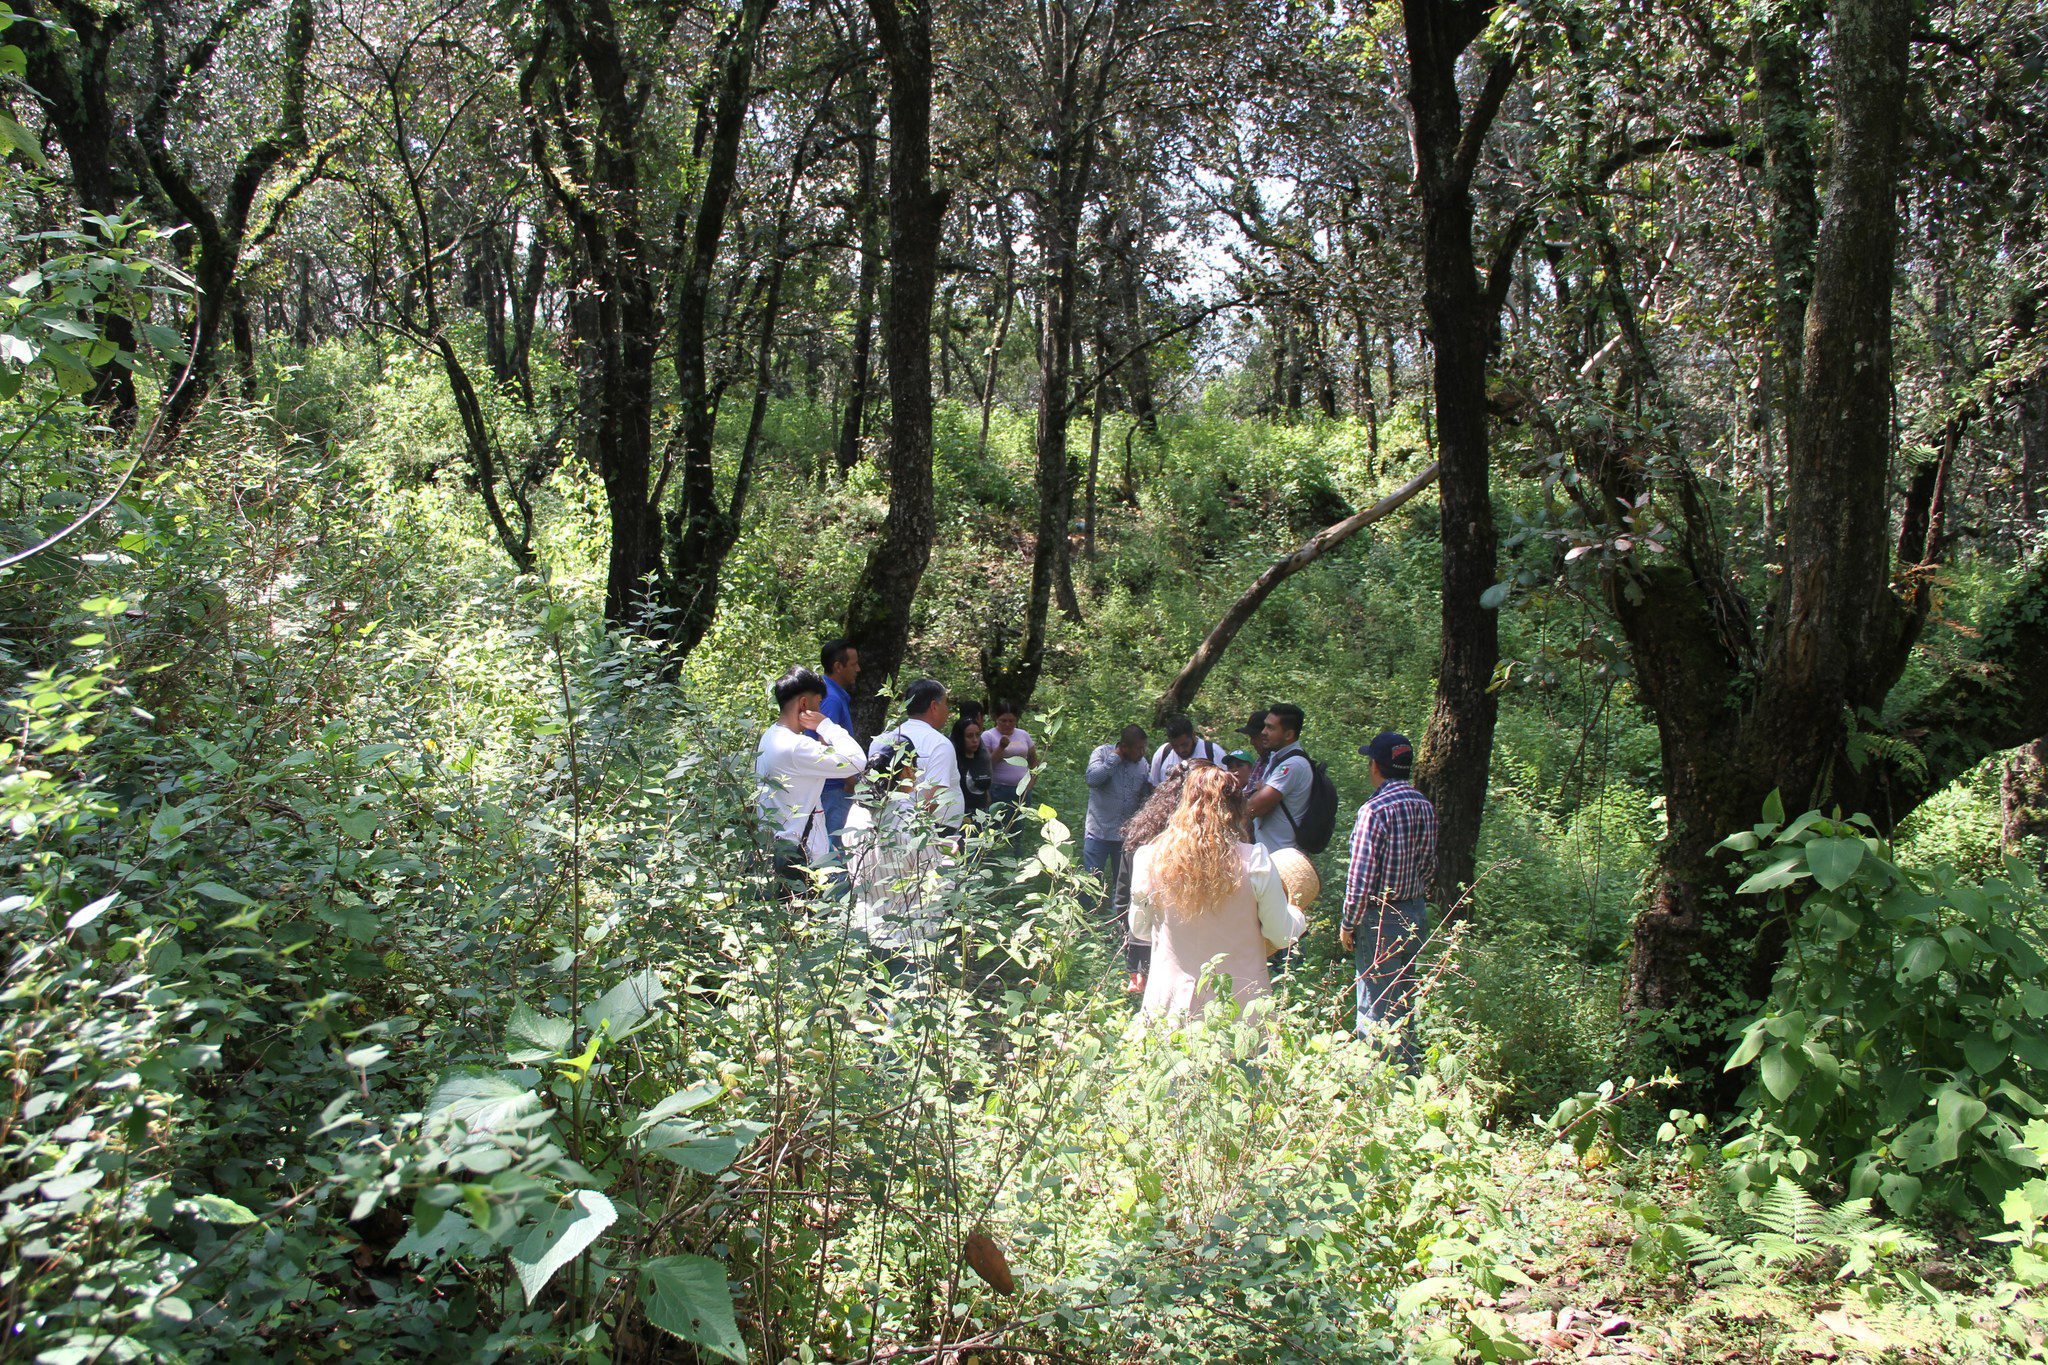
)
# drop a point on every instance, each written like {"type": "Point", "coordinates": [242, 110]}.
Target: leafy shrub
{"type": "Point", "coordinates": [1903, 1048]}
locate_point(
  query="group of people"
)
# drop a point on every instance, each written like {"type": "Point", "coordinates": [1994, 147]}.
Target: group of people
{"type": "Point", "coordinates": [1202, 853]}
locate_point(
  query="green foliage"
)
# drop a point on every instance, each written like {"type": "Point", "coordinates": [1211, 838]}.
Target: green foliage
{"type": "Point", "coordinates": [1903, 1048]}
{"type": "Point", "coordinates": [1790, 1234]}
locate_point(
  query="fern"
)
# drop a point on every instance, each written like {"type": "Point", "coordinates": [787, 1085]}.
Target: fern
{"type": "Point", "coordinates": [1790, 1231]}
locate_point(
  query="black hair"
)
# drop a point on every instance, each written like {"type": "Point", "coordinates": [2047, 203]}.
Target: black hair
{"type": "Point", "coordinates": [834, 651]}
{"type": "Point", "coordinates": [960, 724]}
{"type": "Point", "coordinates": [921, 694]}
{"type": "Point", "coordinates": [1178, 726]}
{"type": "Point", "coordinates": [1134, 732]}
{"type": "Point", "coordinates": [997, 709]}
{"type": "Point", "coordinates": [970, 710]}
{"type": "Point", "coordinates": [1288, 714]}
{"type": "Point", "coordinates": [798, 682]}
{"type": "Point", "coordinates": [886, 770]}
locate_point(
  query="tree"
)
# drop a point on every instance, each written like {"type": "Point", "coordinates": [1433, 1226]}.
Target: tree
{"type": "Point", "coordinates": [1462, 309]}
{"type": "Point", "coordinates": [126, 137]}
{"type": "Point", "coordinates": [878, 614]}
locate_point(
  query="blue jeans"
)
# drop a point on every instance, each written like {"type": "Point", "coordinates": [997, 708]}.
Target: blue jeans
{"type": "Point", "coordinates": [1105, 858]}
{"type": "Point", "coordinates": [1385, 958]}
{"type": "Point", "coordinates": [834, 802]}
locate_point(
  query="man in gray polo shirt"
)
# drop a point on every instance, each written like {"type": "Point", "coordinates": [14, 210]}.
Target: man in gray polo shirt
{"type": "Point", "coordinates": [1119, 780]}
{"type": "Point", "coordinates": [1280, 799]}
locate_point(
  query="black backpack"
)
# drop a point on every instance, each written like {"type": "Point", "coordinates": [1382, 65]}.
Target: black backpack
{"type": "Point", "coordinates": [1318, 823]}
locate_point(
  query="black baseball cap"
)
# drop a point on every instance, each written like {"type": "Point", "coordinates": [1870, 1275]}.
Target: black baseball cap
{"type": "Point", "coordinates": [1394, 754]}
{"type": "Point", "coordinates": [1256, 725]}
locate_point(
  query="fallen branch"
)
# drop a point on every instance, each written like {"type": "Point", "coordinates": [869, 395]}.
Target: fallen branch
{"type": "Point", "coordinates": [1181, 691]}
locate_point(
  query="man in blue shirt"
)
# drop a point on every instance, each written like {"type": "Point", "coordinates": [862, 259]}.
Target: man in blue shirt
{"type": "Point", "coordinates": [842, 667]}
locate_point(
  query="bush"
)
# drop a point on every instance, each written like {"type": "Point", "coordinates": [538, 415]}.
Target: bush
{"type": "Point", "coordinates": [1903, 1050]}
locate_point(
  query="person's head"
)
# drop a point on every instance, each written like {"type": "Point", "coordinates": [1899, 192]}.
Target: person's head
{"type": "Point", "coordinates": [1391, 758]}
{"type": "Point", "coordinates": [796, 692]}
{"type": "Point", "coordinates": [1195, 863]}
{"type": "Point", "coordinates": [1180, 735]}
{"type": "Point", "coordinates": [1131, 743]}
{"type": "Point", "coordinates": [926, 701]}
{"type": "Point", "coordinates": [1283, 725]}
{"type": "Point", "coordinates": [892, 768]}
{"type": "Point", "coordinates": [1150, 821]}
{"type": "Point", "coordinates": [967, 733]}
{"type": "Point", "coordinates": [969, 709]}
{"type": "Point", "coordinates": [1238, 763]}
{"type": "Point", "coordinates": [841, 661]}
{"type": "Point", "coordinates": [1004, 714]}
{"type": "Point", "coordinates": [1254, 729]}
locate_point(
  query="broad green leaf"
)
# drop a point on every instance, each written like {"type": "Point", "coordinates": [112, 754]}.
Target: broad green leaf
{"type": "Point", "coordinates": [1781, 1077]}
{"type": "Point", "coordinates": [682, 1102]}
{"type": "Point", "coordinates": [225, 894]}
{"type": "Point", "coordinates": [560, 1238]}
{"type": "Point", "coordinates": [1784, 872]}
{"type": "Point", "coordinates": [215, 1209]}
{"type": "Point", "coordinates": [1921, 958]}
{"type": "Point", "coordinates": [482, 1104]}
{"type": "Point", "coordinates": [688, 1297]}
{"type": "Point", "coordinates": [694, 1147]}
{"type": "Point", "coordinates": [1774, 808]}
{"type": "Point", "coordinates": [85, 915]}
{"type": "Point", "coordinates": [1955, 1113]}
{"type": "Point", "coordinates": [625, 1004]}
{"type": "Point", "coordinates": [1495, 597]}
{"type": "Point", "coordinates": [1834, 861]}
{"type": "Point", "coordinates": [535, 1037]}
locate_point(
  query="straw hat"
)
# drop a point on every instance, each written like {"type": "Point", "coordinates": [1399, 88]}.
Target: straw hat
{"type": "Point", "coordinates": [1298, 875]}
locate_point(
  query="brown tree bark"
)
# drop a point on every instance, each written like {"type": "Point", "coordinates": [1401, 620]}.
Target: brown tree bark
{"type": "Point", "coordinates": [1457, 746]}
{"type": "Point", "coordinates": [878, 615]}
{"type": "Point", "coordinates": [865, 213]}
{"type": "Point", "coordinates": [2023, 800]}
{"type": "Point", "coordinates": [1738, 717]}
{"type": "Point", "coordinates": [700, 531]}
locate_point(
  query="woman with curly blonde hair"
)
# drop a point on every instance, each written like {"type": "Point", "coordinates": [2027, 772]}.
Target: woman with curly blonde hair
{"type": "Point", "coordinates": [1209, 901]}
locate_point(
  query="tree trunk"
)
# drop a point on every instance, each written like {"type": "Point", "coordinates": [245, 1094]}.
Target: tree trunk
{"type": "Point", "coordinates": [701, 530]}
{"type": "Point", "coordinates": [878, 616]}
{"type": "Point", "coordinates": [1736, 723]}
{"type": "Point", "coordinates": [865, 213]}
{"type": "Point", "coordinates": [2023, 793]}
{"type": "Point", "coordinates": [1002, 334]}
{"type": "Point", "coordinates": [1457, 746]}
{"type": "Point", "coordinates": [1180, 693]}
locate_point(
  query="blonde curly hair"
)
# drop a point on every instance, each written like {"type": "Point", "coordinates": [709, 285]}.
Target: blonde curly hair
{"type": "Point", "coordinates": [1195, 863]}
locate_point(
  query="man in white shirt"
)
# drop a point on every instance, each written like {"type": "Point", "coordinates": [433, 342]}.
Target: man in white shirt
{"type": "Point", "coordinates": [926, 708]}
{"type": "Point", "coordinates": [1182, 745]}
{"type": "Point", "coordinates": [797, 756]}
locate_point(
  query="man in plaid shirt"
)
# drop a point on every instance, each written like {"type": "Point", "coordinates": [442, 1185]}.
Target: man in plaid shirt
{"type": "Point", "coordinates": [1393, 859]}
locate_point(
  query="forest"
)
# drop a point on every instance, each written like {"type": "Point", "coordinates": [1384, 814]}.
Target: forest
{"type": "Point", "coordinates": [429, 428]}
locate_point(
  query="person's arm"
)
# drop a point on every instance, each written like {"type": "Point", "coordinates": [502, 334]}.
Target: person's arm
{"type": "Point", "coordinates": [832, 753]}
{"type": "Point", "coordinates": [1270, 894]}
{"type": "Point", "coordinates": [1354, 877]}
{"type": "Point", "coordinates": [1144, 915]}
{"type": "Point", "coordinates": [1102, 765]}
{"type": "Point", "coordinates": [1263, 800]}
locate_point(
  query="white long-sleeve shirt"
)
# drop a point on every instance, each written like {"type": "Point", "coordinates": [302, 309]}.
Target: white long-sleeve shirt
{"type": "Point", "coordinates": [938, 769]}
{"type": "Point", "coordinates": [794, 767]}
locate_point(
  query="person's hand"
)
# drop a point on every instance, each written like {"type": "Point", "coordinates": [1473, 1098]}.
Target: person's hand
{"type": "Point", "coordinates": [810, 718]}
{"type": "Point", "coordinates": [1344, 938]}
